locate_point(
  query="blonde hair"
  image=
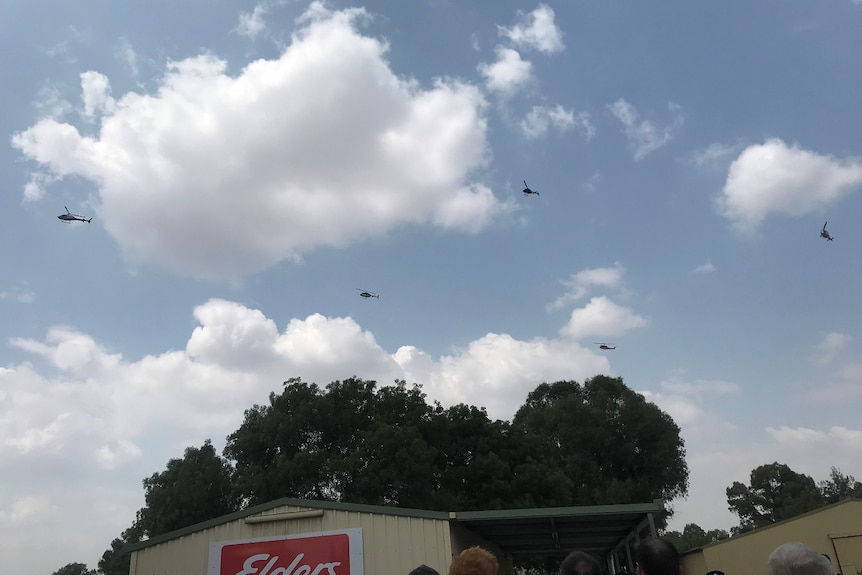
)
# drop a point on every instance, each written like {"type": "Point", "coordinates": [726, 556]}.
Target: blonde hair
{"type": "Point", "coordinates": [474, 561]}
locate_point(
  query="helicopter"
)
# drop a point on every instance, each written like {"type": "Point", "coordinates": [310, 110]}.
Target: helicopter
{"type": "Point", "coordinates": [70, 217]}
{"type": "Point", "coordinates": [825, 234]}
{"type": "Point", "coordinates": [603, 345]}
{"type": "Point", "coordinates": [367, 294]}
{"type": "Point", "coordinates": [527, 190]}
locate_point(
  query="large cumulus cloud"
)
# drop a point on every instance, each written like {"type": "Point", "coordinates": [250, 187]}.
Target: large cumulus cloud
{"type": "Point", "coordinates": [217, 175]}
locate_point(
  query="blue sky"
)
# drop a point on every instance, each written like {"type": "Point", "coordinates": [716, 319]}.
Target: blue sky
{"type": "Point", "coordinates": [248, 166]}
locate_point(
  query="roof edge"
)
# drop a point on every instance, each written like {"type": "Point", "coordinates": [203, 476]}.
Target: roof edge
{"type": "Point", "coordinates": [285, 501]}
{"type": "Point", "coordinates": [573, 511]}
{"type": "Point", "coordinates": [777, 523]}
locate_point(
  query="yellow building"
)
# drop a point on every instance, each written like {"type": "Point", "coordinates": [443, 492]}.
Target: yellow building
{"type": "Point", "coordinates": [834, 530]}
{"type": "Point", "coordinates": [300, 537]}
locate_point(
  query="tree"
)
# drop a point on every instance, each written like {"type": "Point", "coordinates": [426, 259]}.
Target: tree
{"type": "Point", "coordinates": [354, 441]}
{"type": "Point", "coordinates": [195, 488]}
{"type": "Point", "coordinates": [839, 486]}
{"type": "Point", "coordinates": [74, 569]}
{"type": "Point", "coordinates": [116, 560]}
{"type": "Point", "coordinates": [775, 493]}
{"type": "Point", "coordinates": [694, 536]}
{"type": "Point", "coordinates": [612, 444]}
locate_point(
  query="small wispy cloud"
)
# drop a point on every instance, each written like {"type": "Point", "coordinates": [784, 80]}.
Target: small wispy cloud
{"type": "Point", "coordinates": [714, 153]}
{"type": "Point", "coordinates": [20, 293]}
{"type": "Point", "coordinates": [644, 135]}
{"type": "Point", "coordinates": [536, 30]}
{"type": "Point", "coordinates": [706, 268]}
{"type": "Point", "coordinates": [830, 346]}
{"type": "Point", "coordinates": [251, 24]}
{"type": "Point", "coordinates": [541, 118]}
{"type": "Point", "coordinates": [580, 284]}
{"type": "Point", "coordinates": [127, 55]}
{"type": "Point", "coordinates": [592, 183]}
{"type": "Point", "coordinates": [50, 102]}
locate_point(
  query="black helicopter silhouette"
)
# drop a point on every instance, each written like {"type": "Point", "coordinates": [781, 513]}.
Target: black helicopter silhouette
{"type": "Point", "coordinates": [604, 345]}
{"type": "Point", "coordinates": [527, 190]}
{"type": "Point", "coordinates": [825, 234]}
{"type": "Point", "coordinates": [70, 217]}
{"type": "Point", "coordinates": [367, 294]}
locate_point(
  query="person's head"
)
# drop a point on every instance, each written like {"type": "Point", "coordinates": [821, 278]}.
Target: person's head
{"type": "Point", "coordinates": [474, 561]}
{"type": "Point", "coordinates": [798, 559]}
{"type": "Point", "coordinates": [580, 563]}
{"type": "Point", "coordinates": [657, 556]}
{"type": "Point", "coordinates": [424, 570]}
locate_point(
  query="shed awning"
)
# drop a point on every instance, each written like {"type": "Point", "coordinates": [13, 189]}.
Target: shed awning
{"type": "Point", "coordinates": [599, 529]}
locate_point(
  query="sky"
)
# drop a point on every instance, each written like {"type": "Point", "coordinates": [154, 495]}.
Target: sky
{"type": "Point", "coordinates": [248, 166]}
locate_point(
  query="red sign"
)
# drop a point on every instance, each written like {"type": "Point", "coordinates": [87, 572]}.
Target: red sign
{"type": "Point", "coordinates": [328, 553]}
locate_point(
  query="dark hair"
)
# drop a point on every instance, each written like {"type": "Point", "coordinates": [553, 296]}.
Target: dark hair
{"type": "Point", "coordinates": [424, 570]}
{"type": "Point", "coordinates": [657, 556]}
{"type": "Point", "coordinates": [580, 563]}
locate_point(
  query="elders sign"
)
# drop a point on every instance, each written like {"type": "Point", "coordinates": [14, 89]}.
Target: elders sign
{"type": "Point", "coordinates": [323, 553]}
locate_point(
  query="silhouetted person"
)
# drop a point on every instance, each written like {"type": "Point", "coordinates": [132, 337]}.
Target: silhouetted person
{"type": "Point", "coordinates": [657, 556]}
{"type": "Point", "coordinates": [580, 563]}
{"type": "Point", "coordinates": [424, 570]}
{"type": "Point", "coordinates": [798, 559]}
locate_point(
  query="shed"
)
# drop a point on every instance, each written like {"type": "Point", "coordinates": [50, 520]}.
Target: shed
{"type": "Point", "coordinates": [834, 530]}
{"type": "Point", "coordinates": [384, 540]}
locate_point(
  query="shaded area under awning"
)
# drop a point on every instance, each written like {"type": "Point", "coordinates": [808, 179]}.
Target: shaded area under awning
{"type": "Point", "coordinates": [602, 530]}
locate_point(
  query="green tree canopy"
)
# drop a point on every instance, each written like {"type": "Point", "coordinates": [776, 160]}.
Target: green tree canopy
{"type": "Point", "coordinates": [839, 486]}
{"type": "Point", "coordinates": [195, 488]}
{"type": "Point", "coordinates": [115, 561]}
{"type": "Point", "coordinates": [775, 493]}
{"type": "Point", "coordinates": [354, 441]}
{"type": "Point", "coordinates": [74, 569]}
{"type": "Point", "coordinates": [694, 536]}
{"type": "Point", "coordinates": [613, 445]}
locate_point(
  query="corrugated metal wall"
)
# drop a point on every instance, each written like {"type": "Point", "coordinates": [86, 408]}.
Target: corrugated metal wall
{"type": "Point", "coordinates": [392, 545]}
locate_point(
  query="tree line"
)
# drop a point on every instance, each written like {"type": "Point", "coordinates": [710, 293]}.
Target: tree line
{"type": "Point", "coordinates": [598, 442]}
{"type": "Point", "coordinates": [570, 443]}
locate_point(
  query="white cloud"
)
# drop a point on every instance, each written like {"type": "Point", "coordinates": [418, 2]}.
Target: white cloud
{"type": "Point", "coordinates": [251, 24]}
{"type": "Point", "coordinates": [706, 268]}
{"type": "Point", "coordinates": [801, 437]}
{"type": "Point", "coordinates": [536, 30]}
{"type": "Point", "coordinates": [645, 136]}
{"type": "Point", "coordinates": [27, 510]}
{"type": "Point", "coordinates": [51, 103]}
{"type": "Point", "coordinates": [508, 74]}
{"type": "Point", "coordinates": [601, 317]}
{"type": "Point", "coordinates": [126, 54]}
{"type": "Point", "coordinates": [776, 178]}
{"type": "Point", "coordinates": [96, 94]}
{"type": "Point", "coordinates": [20, 293]}
{"type": "Point", "coordinates": [713, 154]}
{"type": "Point", "coordinates": [91, 422]}
{"type": "Point", "coordinates": [581, 283]}
{"type": "Point", "coordinates": [540, 118]}
{"type": "Point", "coordinates": [830, 346]}
{"type": "Point", "coordinates": [592, 183]}
{"type": "Point", "coordinates": [245, 181]}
